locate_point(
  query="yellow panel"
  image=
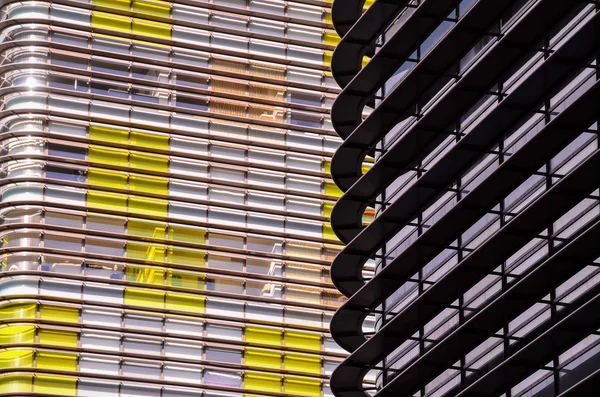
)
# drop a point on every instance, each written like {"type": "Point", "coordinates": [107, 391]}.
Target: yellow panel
{"type": "Point", "coordinates": [120, 4]}
{"type": "Point", "coordinates": [58, 313]}
{"type": "Point", "coordinates": [158, 8]}
{"type": "Point", "coordinates": [263, 335]}
{"type": "Point", "coordinates": [107, 201]}
{"type": "Point", "coordinates": [302, 340]}
{"type": "Point", "coordinates": [153, 29]}
{"type": "Point", "coordinates": [327, 208]}
{"type": "Point", "coordinates": [185, 302]}
{"type": "Point", "coordinates": [327, 166]}
{"type": "Point", "coordinates": [146, 184]}
{"type": "Point", "coordinates": [302, 362]}
{"type": "Point", "coordinates": [262, 359]}
{"type": "Point", "coordinates": [365, 60]}
{"type": "Point", "coordinates": [145, 298]}
{"type": "Point", "coordinates": [302, 386]}
{"type": "Point", "coordinates": [105, 155]}
{"type": "Point", "coordinates": [366, 167]}
{"type": "Point", "coordinates": [145, 274]}
{"type": "Point", "coordinates": [147, 139]}
{"type": "Point", "coordinates": [109, 134]}
{"type": "Point", "coordinates": [136, 250]}
{"type": "Point", "coordinates": [17, 334]}
{"type": "Point", "coordinates": [58, 338]}
{"type": "Point", "coordinates": [56, 361]}
{"type": "Point", "coordinates": [187, 234]}
{"type": "Point", "coordinates": [144, 161]}
{"type": "Point", "coordinates": [331, 189]}
{"type": "Point", "coordinates": [19, 358]}
{"type": "Point", "coordinates": [16, 383]}
{"type": "Point", "coordinates": [138, 227]}
{"type": "Point", "coordinates": [147, 206]}
{"type": "Point", "coordinates": [327, 57]}
{"type": "Point", "coordinates": [112, 22]}
{"type": "Point", "coordinates": [186, 257]}
{"type": "Point", "coordinates": [331, 38]}
{"type": "Point", "coordinates": [186, 279]}
{"type": "Point", "coordinates": [114, 179]}
{"type": "Point", "coordinates": [328, 232]}
{"type": "Point", "coordinates": [328, 18]}
{"type": "Point", "coordinates": [55, 385]}
{"type": "Point", "coordinates": [262, 382]}
{"type": "Point", "coordinates": [15, 311]}
{"type": "Point", "coordinates": [155, 252]}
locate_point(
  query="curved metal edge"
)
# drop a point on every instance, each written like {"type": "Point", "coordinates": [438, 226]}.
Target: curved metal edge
{"type": "Point", "coordinates": [548, 75]}
{"type": "Point", "coordinates": [368, 186]}
{"type": "Point", "coordinates": [542, 147]}
{"type": "Point", "coordinates": [570, 330]}
{"type": "Point", "coordinates": [346, 162]}
{"type": "Point", "coordinates": [347, 124]}
{"type": "Point", "coordinates": [361, 84]}
{"type": "Point", "coordinates": [552, 204]}
{"type": "Point", "coordinates": [587, 387]}
{"type": "Point", "coordinates": [345, 372]}
{"type": "Point", "coordinates": [546, 276]}
{"type": "Point", "coordinates": [346, 61]}
{"type": "Point", "coordinates": [345, 13]}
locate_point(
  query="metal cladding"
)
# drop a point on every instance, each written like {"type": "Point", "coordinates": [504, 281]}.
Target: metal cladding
{"type": "Point", "coordinates": [486, 239]}
{"type": "Point", "coordinates": [165, 197]}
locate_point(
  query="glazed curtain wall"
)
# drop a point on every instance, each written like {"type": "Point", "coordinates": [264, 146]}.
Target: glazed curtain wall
{"type": "Point", "coordinates": [179, 358]}
{"type": "Point", "coordinates": [165, 199]}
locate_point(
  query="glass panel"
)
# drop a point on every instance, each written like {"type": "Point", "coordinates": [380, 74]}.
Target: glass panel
{"type": "Point", "coordinates": [223, 355]}
{"type": "Point", "coordinates": [184, 350]}
{"type": "Point", "coordinates": [261, 382]}
{"type": "Point", "coordinates": [262, 359]}
{"type": "Point", "coordinates": [144, 298]}
{"type": "Point", "coordinates": [59, 313]}
{"type": "Point", "coordinates": [182, 374]}
{"type": "Point", "coordinates": [263, 335]}
{"type": "Point", "coordinates": [302, 363]}
{"type": "Point", "coordinates": [185, 302]}
{"type": "Point", "coordinates": [55, 385]}
{"type": "Point", "coordinates": [185, 325]}
{"type": "Point", "coordinates": [100, 341]}
{"type": "Point", "coordinates": [17, 334]}
{"type": "Point", "coordinates": [56, 361]}
{"type": "Point", "coordinates": [217, 378]}
{"type": "Point", "coordinates": [16, 384]}
{"type": "Point", "coordinates": [223, 332]}
{"type": "Point", "coordinates": [58, 338]}
{"type": "Point", "coordinates": [302, 386]}
{"type": "Point", "coordinates": [302, 340]}
{"type": "Point", "coordinates": [91, 388]}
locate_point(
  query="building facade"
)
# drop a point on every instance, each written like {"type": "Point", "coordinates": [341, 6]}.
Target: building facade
{"type": "Point", "coordinates": [166, 198]}
{"type": "Point", "coordinates": [486, 191]}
